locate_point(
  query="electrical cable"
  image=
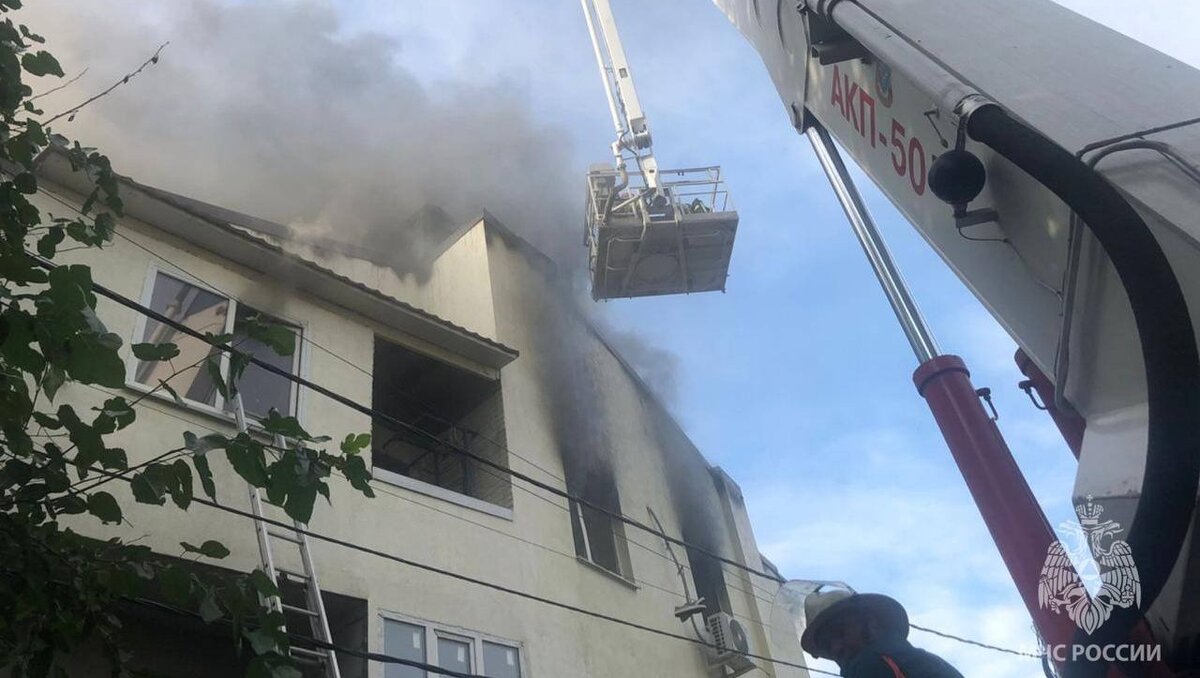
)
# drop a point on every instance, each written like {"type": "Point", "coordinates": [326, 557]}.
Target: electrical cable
{"type": "Point", "coordinates": [114, 296]}
{"type": "Point", "coordinates": [508, 451]}
{"type": "Point", "coordinates": [306, 339]}
{"type": "Point", "coordinates": [396, 423]}
{"type": "Point", "coordinates": [337, 649]}
{"type": "Point", "coordinates": [462, 577]}
{"type": "Point", "coordinates": [381, 488]}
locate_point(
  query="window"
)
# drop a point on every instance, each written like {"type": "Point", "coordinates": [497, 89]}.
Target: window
{"type": "Point", "coordinates": [600, 538]}
{"type": "Point", "coordinates": [206, 311]}
{"type": "Point", "coordinates": [457, 650]}
{"type": "Point", "coordinates": [446, 409]}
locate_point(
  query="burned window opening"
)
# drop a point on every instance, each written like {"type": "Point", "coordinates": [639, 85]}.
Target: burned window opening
{"type": "Point", "coordinates": [447, 409]}
{"type": "Point", "coordinates": [708, 578]}
{"type": "Point", "coordinates": [600, 538]}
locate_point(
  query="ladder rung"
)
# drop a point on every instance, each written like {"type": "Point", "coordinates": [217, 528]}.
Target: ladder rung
{"type": "Point", "coordinates": [316, 654]}
{"type": "Point", "coordinates": [285, 536]}
{"type": "Point", "coordinates": [299, 610]}
{"type": "Point", "coordinates": [299, 576]}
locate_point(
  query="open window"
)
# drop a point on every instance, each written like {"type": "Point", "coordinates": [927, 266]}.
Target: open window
{"type": "Point", "coordinates": [443, 410]}
{"type": "Point", "coordinates": [208, 312]}
{"type": "Point", "coordinates": [599, 537]}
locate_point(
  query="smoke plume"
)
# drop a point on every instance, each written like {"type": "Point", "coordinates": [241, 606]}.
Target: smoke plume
{"type": "Point", "coordinates": [273, 109]}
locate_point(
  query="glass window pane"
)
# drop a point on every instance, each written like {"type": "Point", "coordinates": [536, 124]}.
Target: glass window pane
{"type": "Point", "coordinates": [454, 654]}
{"type": "Point", "coordinates": [198, 309]}
{"type": "Point", "coordinates": [262, 390]}
{"type": "Point", "coordinates": [501, 661]}
{"type": "Point", "coordinates": [406, 641]}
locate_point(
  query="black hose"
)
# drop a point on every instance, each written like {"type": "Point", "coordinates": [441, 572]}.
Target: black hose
{"type": "Point", "coordinates": [1168, 341]}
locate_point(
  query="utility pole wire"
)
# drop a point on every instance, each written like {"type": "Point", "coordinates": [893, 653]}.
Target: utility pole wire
{"type": "Point", "coordinates": [72, 111]}
{"type": "Point", "coordinates": [103, 291]}
{"type": "Point", "coordinates": [392, 421]}
{"type": "Point", "coordinates": [465, 578]}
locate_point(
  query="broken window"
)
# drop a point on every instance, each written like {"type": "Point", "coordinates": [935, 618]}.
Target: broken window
{"type": "Point", "coordinates": [444, 410]}
{"type": "Point", "coordinates": [210, 313]}
{"type": "Point", "coordinates": [599, 537]}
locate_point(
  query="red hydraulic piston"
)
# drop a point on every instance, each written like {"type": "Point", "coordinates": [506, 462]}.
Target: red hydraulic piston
{"type": "Point", "coordinates": [1012, 514]}
{"type": "Point", "coordinates": [1069, 424]}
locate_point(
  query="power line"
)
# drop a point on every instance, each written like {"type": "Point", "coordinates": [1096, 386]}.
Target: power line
{"type": "Point", "coordinates": [380, 487]}
{"type": "Point", "coordinates": [968, 641]}
{"type": "Point", "coordinates": [392, 421]}
{"type": "Point", "coordinates": [304, 338]}
{"type": "Point", "coordinates": [339, 649]}
{"type": "Point", "coordinates": [466, 578]}
{"type": "Point", "coordinates": [485, 469]}
{"type": "Point", "coordinates": [488, 464]}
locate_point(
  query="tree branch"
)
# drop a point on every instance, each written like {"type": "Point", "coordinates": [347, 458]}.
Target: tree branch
{"type": "Point", "coordinates": [72, 111]}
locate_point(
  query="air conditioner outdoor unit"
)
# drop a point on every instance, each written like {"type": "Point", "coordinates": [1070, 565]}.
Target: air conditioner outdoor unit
{"type": "Point", "coordinates": [730, 643]}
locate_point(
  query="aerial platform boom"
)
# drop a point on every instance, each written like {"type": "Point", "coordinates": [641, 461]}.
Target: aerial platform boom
{"type": "Point", "coordinates": [648, 232]}
{"type": "Point", "coordinates": [1054, 165]}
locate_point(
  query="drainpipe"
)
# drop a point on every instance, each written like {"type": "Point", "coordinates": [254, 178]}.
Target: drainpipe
{"type": "Point", "coordinates": [1069, 423]}
{"type": "Point", "coordinates": [1009, 509]}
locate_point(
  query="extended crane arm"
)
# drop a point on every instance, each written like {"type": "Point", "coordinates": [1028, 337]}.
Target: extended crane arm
{"type": "Point", "coordinates": [633, 132]}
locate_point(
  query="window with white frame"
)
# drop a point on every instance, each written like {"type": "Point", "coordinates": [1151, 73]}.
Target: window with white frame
{"type": "Point", "coordinates": [208, 312]}
{"type": "Point", "coordinates": [453, 649]}
{"type": "Point", "coordinates": [599, 537]}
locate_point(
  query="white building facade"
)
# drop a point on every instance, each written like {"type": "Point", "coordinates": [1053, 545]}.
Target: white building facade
{"type": "Point", "coordinates": [474, 345]}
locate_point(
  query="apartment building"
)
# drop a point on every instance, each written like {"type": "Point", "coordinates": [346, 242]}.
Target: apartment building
{"type": "Point", "coordinates": [466, 336]}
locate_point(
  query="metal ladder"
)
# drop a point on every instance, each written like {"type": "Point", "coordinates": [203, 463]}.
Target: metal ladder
{"type": "Point", "coordinates": [318, 620]}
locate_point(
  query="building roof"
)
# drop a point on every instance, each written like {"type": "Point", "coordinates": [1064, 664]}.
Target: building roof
{"type": "Point", "coordinates": [244, 239]}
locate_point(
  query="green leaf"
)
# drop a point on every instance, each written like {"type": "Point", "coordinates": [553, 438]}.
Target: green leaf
{"type": "Point", "coordinates": [104, 506]}
{"type": "Point", "coordinates": [155, 352]}
{"type": "Point", "coordinates": [206, 477]}
{"type": "Point", "coordinates": [115, 415]}
{"type": "Point", "coordinates": [52, 379]}
{"type": "Point", "coordinates": [48, 244]}
{"type": "Point", "coordinates": [26, 183]}
{"type": "Point", "coordinates": [262, 584]}
{"type": "Point", "coordinates": [210, 610]}
{"type": "Point", "coordinates": [146, 492]}
{"type": "Point", "coordinates": [353, 444]}
{"type": "Point", "coordinates": [288, 427]}
{"type": "Point", "coordinates": [262, 641]}
{"type": "Point", "coordinates": [248, 460]}
{"type": "Point", "coordinates": [213, 366]}
{"type": "Point", "coordinates": [299, 503]}
{"type": "Point", "coordinates": [278, 337]}
{"type": "Point", "coordinates": [176, 585]}
{"type": "Point", "coordinates": [200, 445]}
{"type": "Point", "coordinates": [209, 549]}
{"type": "Point", "coordinates": [41, 63]}
{"type": "Point", "coordinates": [181, 484]}
{"type": "Point", "coordinates": [29, 35]}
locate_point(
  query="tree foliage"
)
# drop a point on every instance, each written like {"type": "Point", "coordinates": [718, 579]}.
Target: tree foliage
{"type": "Point", "coordinates": [60, 588]}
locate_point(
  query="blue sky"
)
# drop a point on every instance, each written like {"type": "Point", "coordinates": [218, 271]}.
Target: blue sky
{"type": "Point", "coordinates": [797, 380]}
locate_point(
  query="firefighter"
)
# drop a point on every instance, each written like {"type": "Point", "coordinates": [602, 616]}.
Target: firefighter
{"type": "Point", "coordinates": [867, 635]}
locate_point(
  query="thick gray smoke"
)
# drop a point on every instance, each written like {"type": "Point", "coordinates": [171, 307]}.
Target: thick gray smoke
{"type": "Point", "coordinates": [273, 109]}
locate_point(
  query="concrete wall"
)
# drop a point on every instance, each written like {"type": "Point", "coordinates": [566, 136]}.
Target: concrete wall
{"type": "Point", "coordinates": [488, 284]}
